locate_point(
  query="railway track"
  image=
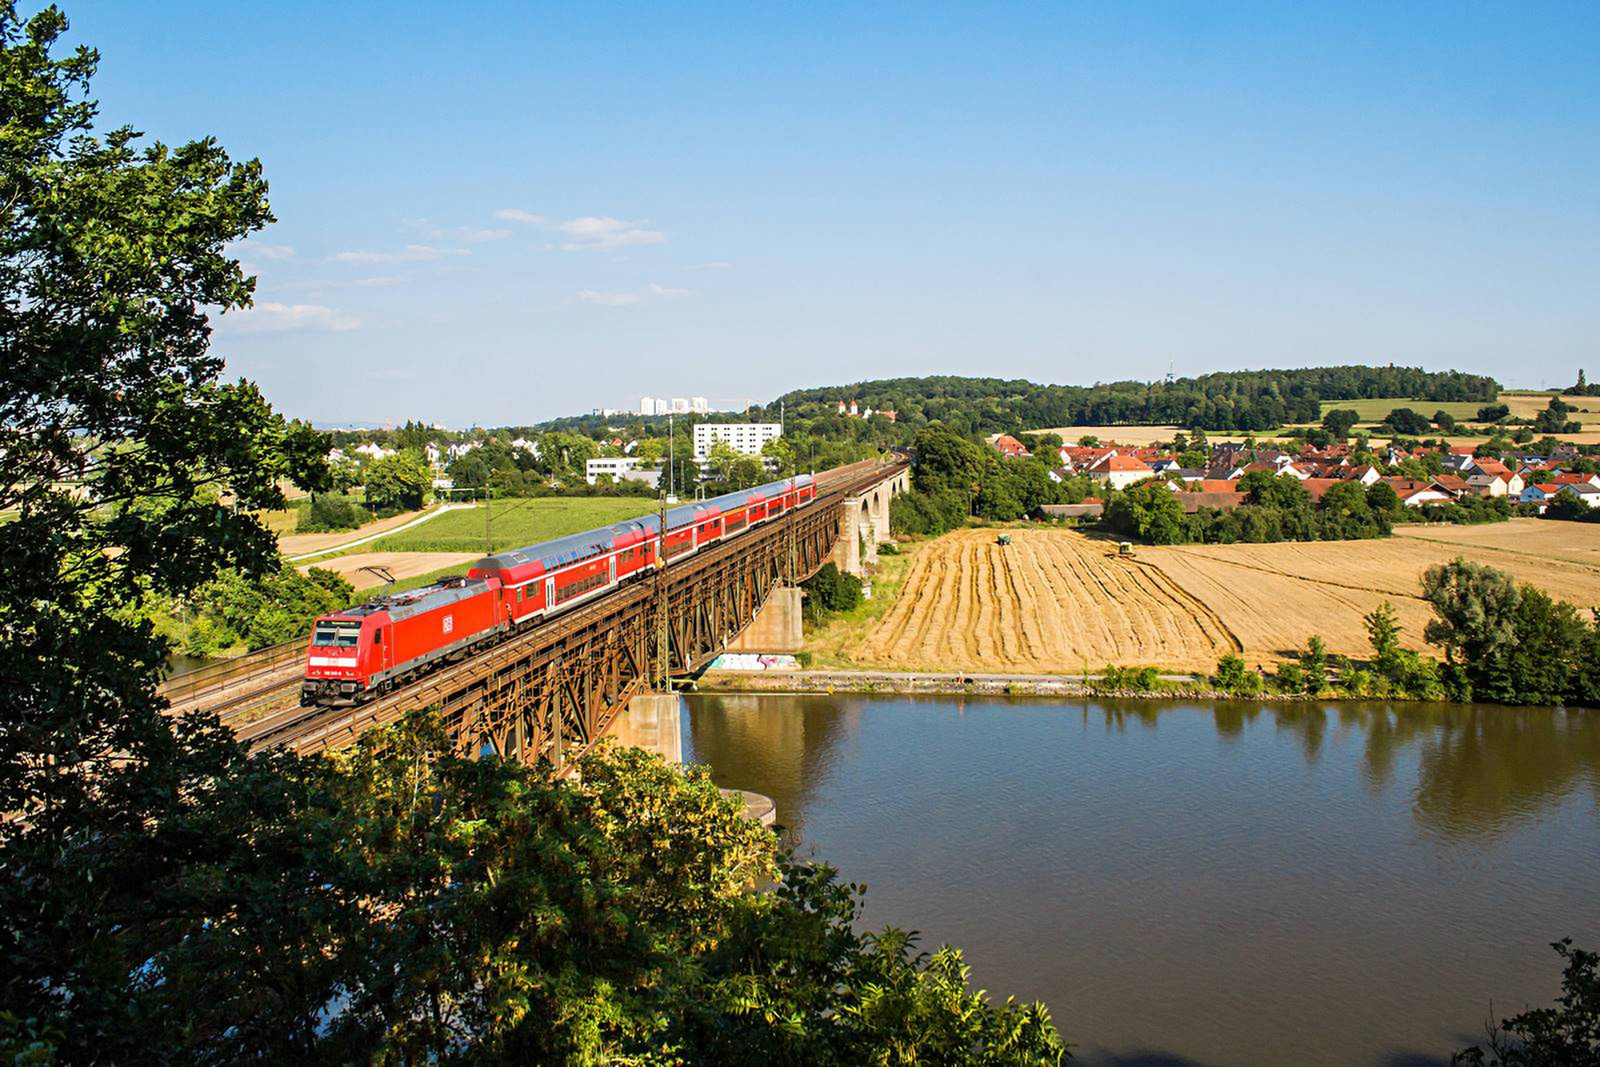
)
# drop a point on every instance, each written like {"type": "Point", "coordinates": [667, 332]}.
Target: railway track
{"type": "Point", "coordinates": [273, 675]}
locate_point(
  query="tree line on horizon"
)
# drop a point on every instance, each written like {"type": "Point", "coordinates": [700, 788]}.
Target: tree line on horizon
{"type": "Point", "coordinates": [1249, 400]}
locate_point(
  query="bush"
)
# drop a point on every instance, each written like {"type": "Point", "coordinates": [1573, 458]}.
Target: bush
{"type": "Point", "coordinates": [1234, 677]}
{"type": "Point", "coordinates": [888, 548]}
{"type": "Point", "coordinates": [1138, 679]}
{"type": "Point", "coordinates": [1291, 678]}
{"type": "Point", "coordinates": [829, 591]}
{"type": "Point", "coordinates": [330, 513]}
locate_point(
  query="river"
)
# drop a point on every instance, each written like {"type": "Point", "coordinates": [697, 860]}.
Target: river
{"type": "Point", "coordinates": [1188, 883]}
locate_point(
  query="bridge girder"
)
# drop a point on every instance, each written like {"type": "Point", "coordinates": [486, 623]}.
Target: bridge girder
{"type": "Point", "coordinates": [551, 693]}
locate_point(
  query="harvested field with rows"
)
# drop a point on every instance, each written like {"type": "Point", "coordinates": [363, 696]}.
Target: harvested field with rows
{"type": "Point", "coordinates": [1052, 601]}
{"type": "Point", "coordinates": [1055, 599]}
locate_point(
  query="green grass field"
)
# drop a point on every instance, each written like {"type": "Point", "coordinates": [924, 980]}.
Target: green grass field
{"type": "Point", "coordinates": [1376, 409]}
{"type": "Point", "coordinates": [515, 523]}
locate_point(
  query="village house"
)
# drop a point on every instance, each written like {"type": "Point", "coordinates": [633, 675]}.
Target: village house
{"type": "Point", "coordinates": [1010, 447]}
{"type": "Point", "coordinates": [1366, 474]}
{"type": "Point", "coordinates": [1414, 494]}
{"type": "Point", "coordinates": [1585, 492]}
{"type": "Point", "coordinates": [1119, 472]}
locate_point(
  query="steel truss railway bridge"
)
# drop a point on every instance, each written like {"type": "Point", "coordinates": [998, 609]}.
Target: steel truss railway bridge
{"type": "Point", "coordinates": [553, 691]}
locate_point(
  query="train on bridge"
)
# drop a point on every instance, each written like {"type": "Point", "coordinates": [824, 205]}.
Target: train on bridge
{"type": "Point", "coordinates": [361, 652]}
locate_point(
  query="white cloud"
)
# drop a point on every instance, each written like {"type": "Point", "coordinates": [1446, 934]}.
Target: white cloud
{"type": "Point", "coordinates": [591, 233]}
{"type": "Point", "coordinates": [375, 281]}
{"type": "Point", "coordinates": [471, 235]}
{"type": "Point", "coordinates": [269, 316]}
{"type": "Point", "coordinates": [514, 214]}
{"type": "Point", "coordinates": [273, 251]}
{"type": "Point", "coordinates": [590, 296]}
{"type": "Point", "coordinates": [718, 265]}
{"type": "Point", "coordinates": [410, 254]}
{"type": "Point", "coordinates": [662, 290]}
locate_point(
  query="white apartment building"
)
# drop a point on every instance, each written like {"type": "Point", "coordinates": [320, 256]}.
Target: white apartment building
{"type": "Point", "coordinates": [746, 437]}
{"type": "Point", "coordinates": [699, 405]}
{"type": "Point", "coordinates": [621, 468]}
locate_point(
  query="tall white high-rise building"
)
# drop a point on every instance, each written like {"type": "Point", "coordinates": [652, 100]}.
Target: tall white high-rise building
{"type": "Point", "coordinates": [699, 405]}
{"type": "Point", "coordinates": [680, 406]}
{"type": "Point", "coordinates": [647, 405]}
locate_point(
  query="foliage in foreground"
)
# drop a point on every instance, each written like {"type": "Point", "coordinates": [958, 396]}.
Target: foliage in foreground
{"type": "Point", "coordinates": [402, 903]}
{"type": "Point", "coordinates": [167, 899]}
{"type": "Point", "coordinates": [1567, 1035]}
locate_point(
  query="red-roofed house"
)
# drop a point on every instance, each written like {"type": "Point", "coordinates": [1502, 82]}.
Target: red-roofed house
{"type": "Point", "coordinates": [1577, 479]}
{"type": "Point", "coordinates": [1215, 485]}
{"type": "Point", "coordinates": [1010, 447]}
{"type": "Point", "coordinates": [1492, 468]}
{"type": "Point", "coordinates": [1318, 486]}
{"type": "Point", "coordinates": [1414, 494]}
{"type": "Point", "coordinates": [1366, 474]}
{"type": "Point", "coordinates": [1119, 472]}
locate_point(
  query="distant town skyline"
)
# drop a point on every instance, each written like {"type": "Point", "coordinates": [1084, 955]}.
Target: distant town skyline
{"type": "Point", "coordinates": [504, 216]}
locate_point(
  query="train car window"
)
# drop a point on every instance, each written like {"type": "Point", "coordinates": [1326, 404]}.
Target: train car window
{"type": "Point", "coordinates": [377, 638]}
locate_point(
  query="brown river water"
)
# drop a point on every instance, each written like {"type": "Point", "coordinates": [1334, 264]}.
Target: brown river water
{"type": "Point", "coordinates": [1187, 883]}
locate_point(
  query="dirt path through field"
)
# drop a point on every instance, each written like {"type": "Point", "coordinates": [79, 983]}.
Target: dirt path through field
{"type": "Point", "coordinates": [402, 565]}
{"type": "Point", "coordinates": [1051, 601]}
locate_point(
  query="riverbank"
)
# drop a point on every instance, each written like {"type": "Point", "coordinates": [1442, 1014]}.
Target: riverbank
{"type": "Point", "coordinates": [952, 683]}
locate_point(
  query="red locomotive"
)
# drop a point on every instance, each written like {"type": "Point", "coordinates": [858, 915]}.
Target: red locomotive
{"type": "Point", "coordinates": [360, 652]}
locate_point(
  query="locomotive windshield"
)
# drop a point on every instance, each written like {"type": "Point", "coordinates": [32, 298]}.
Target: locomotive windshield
{"type": "Point", "coordinates": [337, 634]}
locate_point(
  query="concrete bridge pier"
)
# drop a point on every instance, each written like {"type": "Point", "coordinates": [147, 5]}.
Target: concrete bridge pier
{"type": "Point", "coordinates": [653, 722]}
{"type": "Point", "coordinates": [776, 629]}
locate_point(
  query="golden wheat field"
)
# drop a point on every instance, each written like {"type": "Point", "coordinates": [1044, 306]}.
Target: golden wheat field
{"type": "Point", "coordinates": [1052, 601]}
{"type": "Point", "coordinates": [1055, 600]}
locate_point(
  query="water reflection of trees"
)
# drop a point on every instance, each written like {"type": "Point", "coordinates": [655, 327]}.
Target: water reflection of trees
{"type": "Point", "coordinates": [780, 745]}
{"type": "Point", "coordinates": [1479, 769]}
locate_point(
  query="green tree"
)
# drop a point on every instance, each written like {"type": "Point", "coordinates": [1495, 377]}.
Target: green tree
{"type": "Point", "coordinates": [1383, 632]}
{"type": "Point", "coordinates": [747, 471]}
{"type": "Point", "coordinates": [830, 591]}
{"type": "Point", "coordinates": [398, 481]}
{"type": "Point", "coordinates": [1408, 422]}
{"type": "Point", "coordinates": [328, 512]}
{"type": "Point", "coordinates": [117, 442]}
{"type": "Point", "coordinates": [1149, 511]}
{"type": "Point", "coordinates": [780, 453]}
{"type": "Point", "coordinates": [1340, 422]}
{"type": "Point", "coordinates": [1315, 663]}
{"type": "Point", "coordinates": [1383, 500]}
{"type": "Point", "coordinates": [1567, 1035]}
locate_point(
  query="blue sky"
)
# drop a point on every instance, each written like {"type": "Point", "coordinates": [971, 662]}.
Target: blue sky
{"type": "Point", "coordinates": [500, 216]}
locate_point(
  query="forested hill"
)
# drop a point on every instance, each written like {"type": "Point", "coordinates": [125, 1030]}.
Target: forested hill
{"type": "Point", "coordinates": [1227, 400]}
